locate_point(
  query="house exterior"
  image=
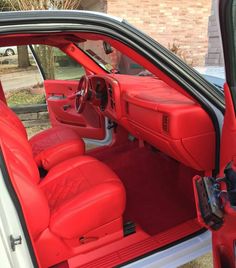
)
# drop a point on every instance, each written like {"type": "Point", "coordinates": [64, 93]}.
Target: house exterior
{"type": "Point", "coordinates": [214, 55]}
{"type": "Point", "coordinates": [187, 27]}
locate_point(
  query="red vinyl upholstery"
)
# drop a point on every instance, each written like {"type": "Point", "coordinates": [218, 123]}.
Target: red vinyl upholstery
{"type": "Point", "coordinates": [2, 95]}
{"type": "Point", "coordinates": [9, 117]}
{"type": "Point", "coordinates": [49, 147]}
{"type": "Point", "coordinates": [82, 190]}
{"type": "Point", "coordinates": [76, 198]}
{"type": "Point", "coordinates": [55, 145]}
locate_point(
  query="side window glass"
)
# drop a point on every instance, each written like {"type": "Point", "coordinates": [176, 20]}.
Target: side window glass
{"type": "Point", "coordinates": [21, 80]}
{"type": "Point", "coordinates": [58, 65]}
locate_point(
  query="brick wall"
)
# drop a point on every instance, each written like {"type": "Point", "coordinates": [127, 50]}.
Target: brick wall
{"type": "Point", "coordinates": [182, 25]}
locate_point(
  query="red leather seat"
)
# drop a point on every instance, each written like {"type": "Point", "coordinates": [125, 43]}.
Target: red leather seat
{"type": "Point", "coordinates": [79, 198]}
{"type": "Point", "coordinates": [49, 147]}
{"type": "Point", "coordinates": [82, 193]}
{"type": "Point", "coordinates": [55, 145]}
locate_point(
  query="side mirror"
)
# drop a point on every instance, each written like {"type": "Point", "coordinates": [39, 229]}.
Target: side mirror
{"type": "Point", "coordinates": [107, 47]}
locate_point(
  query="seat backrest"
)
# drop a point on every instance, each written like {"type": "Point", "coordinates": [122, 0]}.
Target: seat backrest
{"type": "Point", "coordinates": [24, 175]}
{"type": "Point", "coordinates": [2, 95]}
{"type": "Point", "coordinates": [9, 117]}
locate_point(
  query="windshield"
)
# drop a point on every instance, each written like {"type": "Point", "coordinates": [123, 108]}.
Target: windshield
{"type": "Point", "coordinates": [112, 60]}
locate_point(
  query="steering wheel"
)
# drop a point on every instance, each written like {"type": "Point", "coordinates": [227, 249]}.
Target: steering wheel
{"type": "Point", "coordinates": [82, 94]}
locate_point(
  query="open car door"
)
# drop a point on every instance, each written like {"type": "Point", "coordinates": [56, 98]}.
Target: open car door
{"type": "Point", "coordinates": [61, 81]}
{"type": "Point", "coordinates": [216, 197]}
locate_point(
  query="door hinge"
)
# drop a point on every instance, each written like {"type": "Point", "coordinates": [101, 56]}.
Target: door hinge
{"type": "Point", "coordinates": [14, 241]}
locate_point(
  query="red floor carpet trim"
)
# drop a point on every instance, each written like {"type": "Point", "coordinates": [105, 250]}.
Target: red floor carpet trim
{"type": "Point", "coordinates": [159, 199]}
{"type": "Point", "coordinates": [159, 189]}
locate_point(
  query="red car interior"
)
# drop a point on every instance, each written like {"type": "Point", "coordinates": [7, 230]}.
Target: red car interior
{"type": "Point", "coordinates": [2, 95]}
{"type": "Point", "coordinates": [147, 174]}
{"type": "Point", "coordinates": [111, 204]}
{"type": "Point", "coordinates": [155, 112]}
{"type": "Point", "coordinates": [81, 189]}
{"type": "Point", "coordinates": [49, 147]}
{"type": "Point", "coordinates": [62, 111]}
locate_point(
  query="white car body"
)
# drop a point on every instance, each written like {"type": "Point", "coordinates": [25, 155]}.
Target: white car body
{"type": "Point", "coordinates": [8, 51]}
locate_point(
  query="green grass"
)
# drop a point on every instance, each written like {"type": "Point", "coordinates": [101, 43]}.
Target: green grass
{"type": "Point", "coordinates": [24, 97]}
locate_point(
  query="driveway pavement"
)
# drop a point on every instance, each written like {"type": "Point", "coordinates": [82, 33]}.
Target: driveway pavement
{"type": "Point", "coordinates": [20, 79]}
{"type": "Point", "coordinates": [15, 79]}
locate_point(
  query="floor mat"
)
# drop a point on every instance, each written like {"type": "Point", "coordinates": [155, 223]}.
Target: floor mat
{"type": "Point", "coordinates": [158, 188]}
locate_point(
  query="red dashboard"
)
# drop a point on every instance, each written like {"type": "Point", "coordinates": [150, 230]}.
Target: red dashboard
{"type": "Point", "coordinates": [158, 114]}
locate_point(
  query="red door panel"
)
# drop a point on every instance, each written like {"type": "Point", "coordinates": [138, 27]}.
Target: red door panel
{"type": "Point", "coordinates": [89, 124]}
{"type": "Point", "coordinates": [224, 240]}
{"type": "Point", "coordinates": [216, 203]}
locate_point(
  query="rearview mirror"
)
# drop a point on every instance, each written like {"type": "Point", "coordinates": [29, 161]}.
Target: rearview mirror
{"type": "Point", "coordinates": [107, 47]}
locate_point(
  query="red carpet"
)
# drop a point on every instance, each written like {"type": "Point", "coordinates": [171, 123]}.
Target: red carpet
{"type": "Point", "coordinates": [159, 189]}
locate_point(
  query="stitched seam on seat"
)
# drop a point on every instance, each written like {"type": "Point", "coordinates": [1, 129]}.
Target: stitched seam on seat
{"type": "Point", "coordinates": [56, 176]}
{"type": "Point", "coordinates": [60, 193]}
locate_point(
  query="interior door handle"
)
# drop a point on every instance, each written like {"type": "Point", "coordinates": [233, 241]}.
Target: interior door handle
{"type": "Point", "coordinates": [66, 106]}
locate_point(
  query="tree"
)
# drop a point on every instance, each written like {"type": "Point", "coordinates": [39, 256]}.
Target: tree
{"type": "Point", "coordinates": [4, 5]}
{"type": "Point", "coordinates": [22, 51]}
{"type": "Point", "coordinates": [46, 57]}
{"type": "Point", "coordinates": [45, 52]}
{"type": "Point", "coordinates": [23, 57]}
{"type": "Point", "coordinates": [42, 4]}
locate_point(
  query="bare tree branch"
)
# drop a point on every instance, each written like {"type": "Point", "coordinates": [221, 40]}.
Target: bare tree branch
{"type": "Point", "coordinates": [41, 4]}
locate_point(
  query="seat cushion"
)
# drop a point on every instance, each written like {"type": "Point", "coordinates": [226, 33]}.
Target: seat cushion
{"type": "Point", "coordinates": [83, 194]}
{"type": "Point", "coordinates": [55, 145]}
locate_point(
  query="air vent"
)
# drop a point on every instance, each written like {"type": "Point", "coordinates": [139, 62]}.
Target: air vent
{"type": "Point", "coordinates": [165, 123]}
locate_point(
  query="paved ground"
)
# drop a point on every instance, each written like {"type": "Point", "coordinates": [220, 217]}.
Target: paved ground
{"type": "Point", "coordinates": [20, 80]}
{"type": "Point", "coordinates": [13, 78]}
{"type": "Point", "coordinates": [26, 79]}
